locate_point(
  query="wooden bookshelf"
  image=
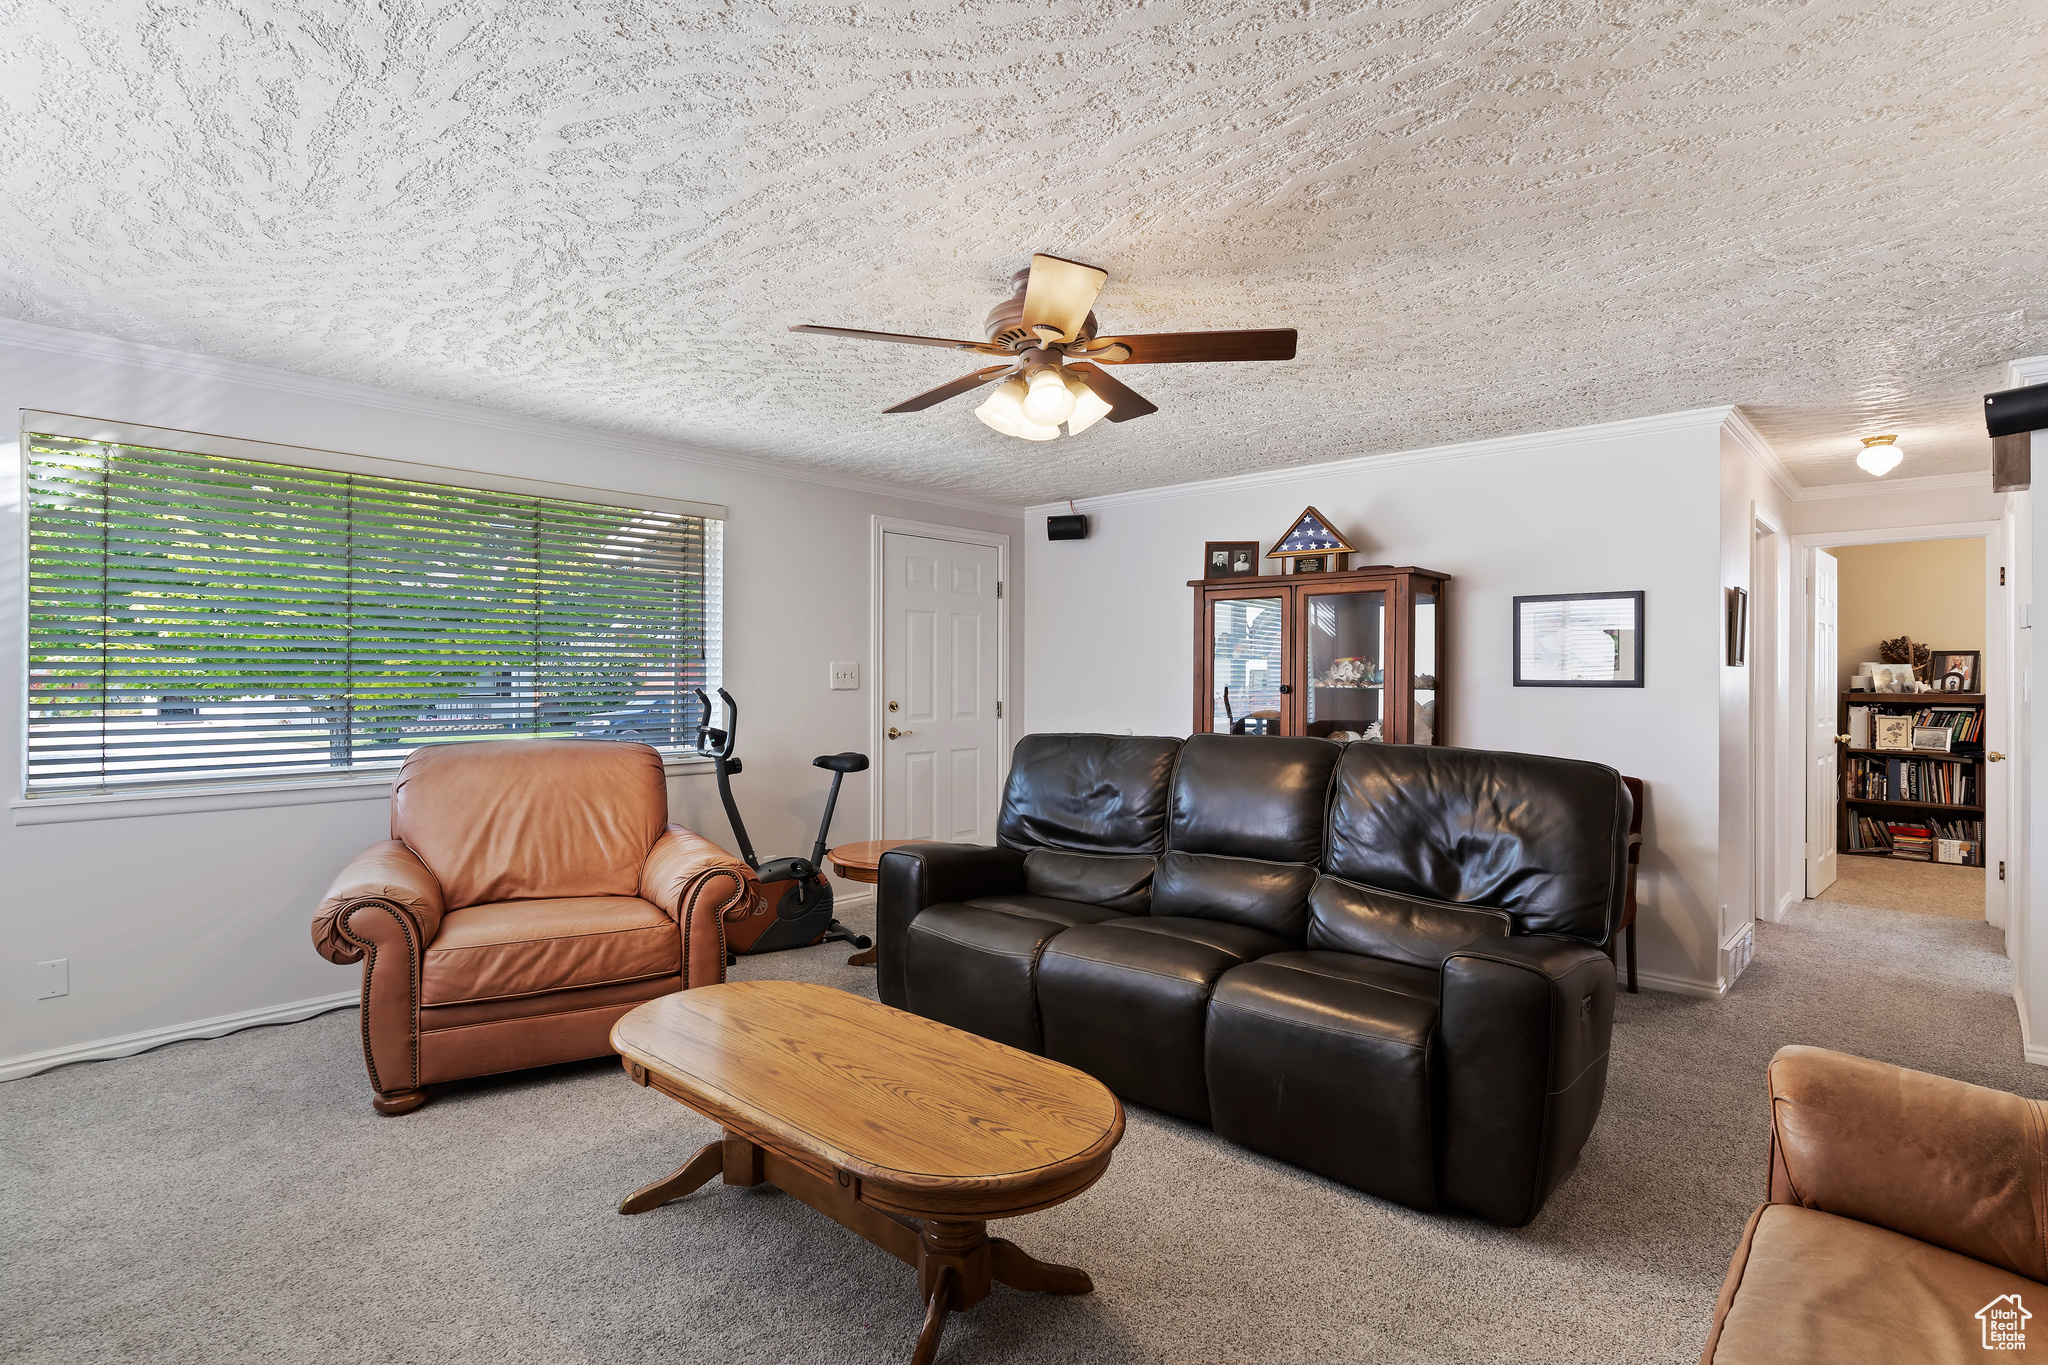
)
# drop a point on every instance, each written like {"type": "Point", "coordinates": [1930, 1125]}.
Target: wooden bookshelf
{"type": "Point", "coordinates": [1966, 755]}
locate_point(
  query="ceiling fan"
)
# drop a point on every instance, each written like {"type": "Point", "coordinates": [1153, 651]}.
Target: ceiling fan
{"type": "Point", "coordinates": [1051, 366]}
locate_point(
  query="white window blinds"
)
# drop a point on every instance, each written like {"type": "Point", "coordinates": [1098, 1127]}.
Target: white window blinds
{"type": "Point", "coordinates": [195, 618]}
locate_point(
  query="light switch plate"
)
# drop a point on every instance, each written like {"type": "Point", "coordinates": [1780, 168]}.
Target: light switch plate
{"type": "Point", "coordinates": [845, 677]}
{"type": "Point", "coordinates": [53, 978]}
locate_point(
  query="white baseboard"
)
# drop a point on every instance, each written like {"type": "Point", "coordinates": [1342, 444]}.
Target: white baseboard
{"type": "Point", "coordinates": [2029, 1049]}
{"type": "Point", "coordinates": [127, 1045]}
{"type": "Point", "coordinates": [1676, 985]}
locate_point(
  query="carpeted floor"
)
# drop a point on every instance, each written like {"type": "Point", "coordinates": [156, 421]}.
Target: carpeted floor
{"type": "Point", "coordinates": [1902, 884]}
{"type": "Point", "coordinates": [237, 1200]}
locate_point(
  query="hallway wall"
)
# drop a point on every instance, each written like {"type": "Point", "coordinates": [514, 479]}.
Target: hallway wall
{"type": "Point", "coordinates": [1931, 590]}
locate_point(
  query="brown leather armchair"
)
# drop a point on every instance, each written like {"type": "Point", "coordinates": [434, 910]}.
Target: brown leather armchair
{"type": "Point", "coordinates": [532, 891]}
{"type": "Point", "coordinates": [1907, 1220]}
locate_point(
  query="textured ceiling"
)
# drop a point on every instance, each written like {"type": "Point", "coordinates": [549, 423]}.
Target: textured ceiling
{"type": "Point", "coordinates": [1483, 218]}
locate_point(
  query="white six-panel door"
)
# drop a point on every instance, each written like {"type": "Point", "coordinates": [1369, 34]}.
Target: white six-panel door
{"type": "Point", "coordinates": [1823, 781]}
{"type": "Point", "coordinates": [941, 687]}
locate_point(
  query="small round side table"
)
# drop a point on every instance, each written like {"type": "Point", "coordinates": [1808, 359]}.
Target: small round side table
{"type": "Point", "coordinates": [859, 863]}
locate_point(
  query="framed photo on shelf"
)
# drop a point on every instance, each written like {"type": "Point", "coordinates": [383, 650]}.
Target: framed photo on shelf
{"type": "Point", "coordinates": [1964, 664]}
{"type": "Point", "coordinates": [1892, 732]}
{"type": "Point", "coordinates": [1230, 559]}
{"type": "Point", "coordinates": [1933, 737]}
{"type": "Point", "coordinates": [1579, 639]}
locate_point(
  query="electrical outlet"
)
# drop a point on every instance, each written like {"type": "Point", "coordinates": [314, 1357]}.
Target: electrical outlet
{"type": "Point", "coordinates": [845, 677]}
{"type": "Point", "coordinates": [53, 978]}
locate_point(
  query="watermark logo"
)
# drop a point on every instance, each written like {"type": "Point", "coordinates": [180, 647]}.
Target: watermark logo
{"type": "Point", "coordinates": [2005, 1323]}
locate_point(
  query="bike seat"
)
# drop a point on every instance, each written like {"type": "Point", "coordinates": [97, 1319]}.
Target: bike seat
{"type": "Point", "coordinates": [842, 763]}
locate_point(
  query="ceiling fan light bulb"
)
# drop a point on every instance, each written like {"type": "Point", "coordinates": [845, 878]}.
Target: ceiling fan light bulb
{"type": "Point", "coordinates": [1088, 408]}
{"type": "Point", "coordinates": [1003, 410]}
{"type": "Point", "coordinates": [1880, 456]}
{"type": "Point", "coordinates": [1047, 401]}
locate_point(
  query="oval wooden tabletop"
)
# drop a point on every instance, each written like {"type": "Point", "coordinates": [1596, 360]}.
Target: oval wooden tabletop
{"type": "Point", "coordinates": [949, 1119]}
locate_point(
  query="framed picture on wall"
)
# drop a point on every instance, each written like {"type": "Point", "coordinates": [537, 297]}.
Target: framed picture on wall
{"type": "Point", "coordinates": [1579, 639]}
{"type": "Point", "coordinates": [1966, 664]}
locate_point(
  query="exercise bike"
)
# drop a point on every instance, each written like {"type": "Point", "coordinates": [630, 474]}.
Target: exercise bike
{"type": "Point", "coordinates": [789, 904]}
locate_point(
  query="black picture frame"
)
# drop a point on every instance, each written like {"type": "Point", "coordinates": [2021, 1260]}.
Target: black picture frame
{"type": "Point", "coordinates": [1240, 559]}
{"type": "Point", "coordinates": [1942, 662]}
{"type": "Point", "coordinates": [1738, 627]}
{"type": "Point", "coordinates": [1636, 600]}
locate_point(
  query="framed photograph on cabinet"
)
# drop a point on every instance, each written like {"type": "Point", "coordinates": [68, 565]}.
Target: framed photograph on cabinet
{"type": "Point", "coordinates": [1579, 639]}
{"type": "Point", "coordinates": [1230, 559]}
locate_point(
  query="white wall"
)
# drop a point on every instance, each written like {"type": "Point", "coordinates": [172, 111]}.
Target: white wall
{"type": "Point", "coordinates": [1110, 636]}
{"type": "Point", "coordinates": [170, 918]}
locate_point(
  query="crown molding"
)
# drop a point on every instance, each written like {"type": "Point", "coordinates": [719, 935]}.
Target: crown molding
{"type": "Point", "coordinates": [1744, 432]}
{"type": "Point", "coordinates": [1980, 482]}
{"type": "Point", "coordinates": [1693, 419]}
{"type": "Point", "coordinates": [2032, 369]}
{"type": "Point", "coordinates": [89, 346]}
{"type": "Point", "coordinates": [1731, 421]}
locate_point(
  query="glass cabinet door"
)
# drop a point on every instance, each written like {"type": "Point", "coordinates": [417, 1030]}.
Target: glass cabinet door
{"type": "Point", "coordinates": [1248, 665]}
{"type": "Point", "coordinates": [1424, 728]}
{"type": "Point", "coordinates": [1346, 645]}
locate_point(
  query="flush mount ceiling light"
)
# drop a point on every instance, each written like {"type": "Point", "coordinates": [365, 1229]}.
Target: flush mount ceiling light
{"type": "Point", "coordinates": [1052, 374]}
{"type": "Point", "coordinates": [1881, 455]}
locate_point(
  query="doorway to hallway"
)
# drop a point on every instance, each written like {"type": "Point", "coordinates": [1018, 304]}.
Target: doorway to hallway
{"type": "Point", "coordinates": [1902, 787]}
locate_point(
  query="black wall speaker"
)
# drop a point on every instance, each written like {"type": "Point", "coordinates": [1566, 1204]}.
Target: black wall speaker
{"type": "Point", "coordinates": [1067, 528]}
{"type": "Point", "coordinates": [2016, 410]}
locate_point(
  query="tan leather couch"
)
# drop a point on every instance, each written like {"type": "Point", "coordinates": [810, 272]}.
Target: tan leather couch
{"type": "Point", "coordinates": [532, 891]}
{"type": "Point", "coordinates": [1908, 1217]}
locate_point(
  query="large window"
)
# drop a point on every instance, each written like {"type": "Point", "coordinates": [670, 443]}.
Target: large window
{"type": "Point", "coordinates": [195, 617]}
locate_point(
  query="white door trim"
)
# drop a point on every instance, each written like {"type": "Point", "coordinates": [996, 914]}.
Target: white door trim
{"type": "Point", "coordinates": [878, 713]}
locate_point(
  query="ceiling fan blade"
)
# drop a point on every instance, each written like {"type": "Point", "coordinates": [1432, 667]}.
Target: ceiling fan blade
{"type": "Point", "coordinates": [964, 384]}
{"type": "Point", "coordinates": [984, 347]}
{"type": "Point", "coordinates": [1124, 401]}
{"type": "Point", "coordinates": [1172, 348]}
{"type": "Point", "coordinates": [1059, 294]}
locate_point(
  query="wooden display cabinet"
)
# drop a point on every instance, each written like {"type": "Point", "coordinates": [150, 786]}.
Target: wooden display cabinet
{"type": "Point", "coordinates": [1331, 654]}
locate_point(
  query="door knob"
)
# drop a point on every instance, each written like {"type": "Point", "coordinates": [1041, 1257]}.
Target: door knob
{"type": "Point", "coordinates": [1996, 758]}
{"type": "Point", "coordinates": [1845, 739]}
{"type": "Point", "coordinates": [895, 733]}
{"type": "Point", "coordinates": [1286, 688]}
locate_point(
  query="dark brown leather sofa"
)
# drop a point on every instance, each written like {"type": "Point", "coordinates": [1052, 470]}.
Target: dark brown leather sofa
{"type": "Point", "coordinates": [1380, 962]}
{"type": "Point", "coordinates": [1907, 1221]}
{"type": "Point", "coordinates": [532, 891]}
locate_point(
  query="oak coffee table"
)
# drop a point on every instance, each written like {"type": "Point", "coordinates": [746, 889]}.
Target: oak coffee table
{"type": "Point", "coordinates": [909, 1132]}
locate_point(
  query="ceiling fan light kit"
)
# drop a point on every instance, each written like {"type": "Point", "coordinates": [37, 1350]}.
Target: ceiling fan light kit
{"type": "Point", "coordinates": [1046, 332]}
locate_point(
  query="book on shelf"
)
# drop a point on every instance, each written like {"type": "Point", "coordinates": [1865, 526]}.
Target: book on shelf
{"type": "Point", "coordinates": [1942, 781]}
{"type": "Point", "coordinates": [1911, 841]}
{"type": "Point", "coordinates": [1946, 841]}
